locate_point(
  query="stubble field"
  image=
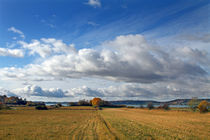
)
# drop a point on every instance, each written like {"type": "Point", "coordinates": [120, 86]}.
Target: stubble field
{"type": "Point", "coordinates": [80, 123]}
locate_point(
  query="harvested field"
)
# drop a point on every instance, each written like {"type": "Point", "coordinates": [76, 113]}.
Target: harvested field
{"type": "Point", "coordinates": [112, 123]}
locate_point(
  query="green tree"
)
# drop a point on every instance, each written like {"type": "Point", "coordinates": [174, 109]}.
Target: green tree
{"type": "Point", "coordinates": [150, 106]}
{"type": "Point", "coordinates": [166, 107]}
{"type": "Point", "coordinates": [193, 103]}
{"type": "Point", "coordinates": [41, 107]}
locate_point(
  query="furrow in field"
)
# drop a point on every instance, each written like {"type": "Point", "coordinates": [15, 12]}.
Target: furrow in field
{"type": "Point", "coordinates": [157, 124]}
{"type": "Point", "coordinates": [108, 127]}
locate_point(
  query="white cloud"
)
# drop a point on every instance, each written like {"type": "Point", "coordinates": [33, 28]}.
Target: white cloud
{"type": "Point", "coordinates": [51, 25]}
{"type": "Point", "coordinates": [92, 23]}
{"type": "Point", "coordinates": [46, 47]}
{"type": "Point", "coordinates": [11, 52]}
{"type": "Point", "coordinates": [127, 58]}
{"type": "Point", "coordinates": [180, 88]}
{"type": "Point", "coordinates": [6, 92]}
{"type": "Point", "coordinates": [36, 47]}
{"type": "Point", "coordinates": [149, 71]}
{"type": "Point", "coordinates": [196, 38]}
{"type": "Point", "coordinates": [33, 90]}
{"type": "Point", "coordinates": [13, 29]}
{"type": "Point", "coordinates": [193, 55]}
{"type": "Point", "coordinates": [94, 3]}
{"type": "Point", "coordinates": [84, 92]}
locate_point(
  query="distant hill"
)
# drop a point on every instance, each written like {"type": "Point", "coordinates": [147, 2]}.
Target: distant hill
{"type": "Point", "coordinates": [140, 102]}
{"type": "Point", "coordinates": [183, 101]}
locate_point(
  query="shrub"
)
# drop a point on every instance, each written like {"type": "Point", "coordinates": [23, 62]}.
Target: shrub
{"type": "Point", "coordinates": [1, 105]}
{"type": "Point", "coordinates": [41, 107]}
{"type": "Point", "coordinates": [160, 107]}
{"type": "Point", "coordinates": [141, 106]}
{"type": "Point", "coordinates": [72, 104]}
{"type": "Point", "coordinates": [105, 103]}
{"type": "Point", "coordinates": [4, 106]}
{"type": "Point", "coordinates": [58, 105]}
{"type": "Point", "coordinates": [150, 106]}
{"type": "Point", "coordinates": [203, 106]}
{"type": "Point", "coordinates": [130, 106]}
{"type": "Point", "coordinates": [165, 107]}
{"type": "Point", "coordinates": [100, 108]}
{"type": "Point", "coordinates": [193, 104]}
{"type": "Point", "coordinates": [84, 103]}
{"type": "Point", "coordinates": [30, 103]}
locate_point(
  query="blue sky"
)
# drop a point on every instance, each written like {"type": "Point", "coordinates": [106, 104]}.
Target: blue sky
{"type": "Point", "coordinates": [73, 21]}
{"type": "Point", "coordinates": [95, 25]}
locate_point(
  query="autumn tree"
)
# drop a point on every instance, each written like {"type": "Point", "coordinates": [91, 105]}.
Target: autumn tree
{"type": "Point", "coordinates": [96, 101]}
{"type": "Point", "coordinates": [1, 105]}
{"type": "Point", "coordinates": [203, 106]}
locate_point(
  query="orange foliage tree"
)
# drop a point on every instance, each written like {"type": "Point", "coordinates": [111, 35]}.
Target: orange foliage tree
{"type": "Point", "coordinates": [96, 101]}
{"type": "Point", "coordinates": [203, 106]}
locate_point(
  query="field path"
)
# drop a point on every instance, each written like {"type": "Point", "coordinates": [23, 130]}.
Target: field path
{"type": "Point", "coordinates": [95, 128]}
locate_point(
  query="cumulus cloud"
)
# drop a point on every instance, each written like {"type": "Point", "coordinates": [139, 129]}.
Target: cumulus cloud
{"type": "Point", "coordinates": [180, 88]}
{"type": "Point", "coordinates": [85, 92]}
{"type": "Point", "coordinates": [147, 71]}
{"type": "Point", "coordinates": [33, 90]}
{"type": "Point", "coordinates": [13, 29]}
{"type": "Point", "coordinates": [193, 55]}
{"type": "Point", "coordinates": [94, 3]}
{"type": "Point", "coordinates": [11, 52]}
{"type": "Point", "coordinates": [127, 58]}
{"type": "Point", "coordinates": [6, 92]}
{"type": "Point", "coordinates": [46, 47]}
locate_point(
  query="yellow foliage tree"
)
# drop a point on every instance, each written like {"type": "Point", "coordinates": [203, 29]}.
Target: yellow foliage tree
{"type": "Point", "coordinates": [203, 106]}
{"type": "Point", "coordinates": [96, 101]}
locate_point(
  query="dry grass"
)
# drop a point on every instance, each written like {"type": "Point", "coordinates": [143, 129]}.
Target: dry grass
{"type": "Point", "coordinates": [159, 124]}
{"type": "Point", "coordinates": [64, 123]}
{"type": "Point", "coordinates": [87, 123]}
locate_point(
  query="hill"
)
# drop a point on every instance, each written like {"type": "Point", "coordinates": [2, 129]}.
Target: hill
{"type": "Point", "coordinates": [143, 102]}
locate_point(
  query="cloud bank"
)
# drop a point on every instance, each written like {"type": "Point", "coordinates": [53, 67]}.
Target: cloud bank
{"type": "Point", "coordinates": [127, 58]}
{"type": "Point", "coordinates": [147, 71]}
{"type": "Point", "coordinates": [128, 91]}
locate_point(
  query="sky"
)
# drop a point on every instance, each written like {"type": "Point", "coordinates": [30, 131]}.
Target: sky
{"type": "Point", "coordinates": [68, 50]}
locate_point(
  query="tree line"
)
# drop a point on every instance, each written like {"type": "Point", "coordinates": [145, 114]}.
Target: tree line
{"type": "Point", "coordinates": [194, 104]}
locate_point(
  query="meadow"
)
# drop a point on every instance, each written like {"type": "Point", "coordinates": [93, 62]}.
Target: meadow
{"type": "Point", "coordinates": [78, 123]}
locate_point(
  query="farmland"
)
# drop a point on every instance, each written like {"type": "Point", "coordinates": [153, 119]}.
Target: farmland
{"type": "Point", "coordinates": [109, 123]}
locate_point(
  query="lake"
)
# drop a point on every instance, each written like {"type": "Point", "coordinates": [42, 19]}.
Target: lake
{"type": "Point", "coordinates": [134, 105]}
{"type": "Point", "coordinates": [145, 105]}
